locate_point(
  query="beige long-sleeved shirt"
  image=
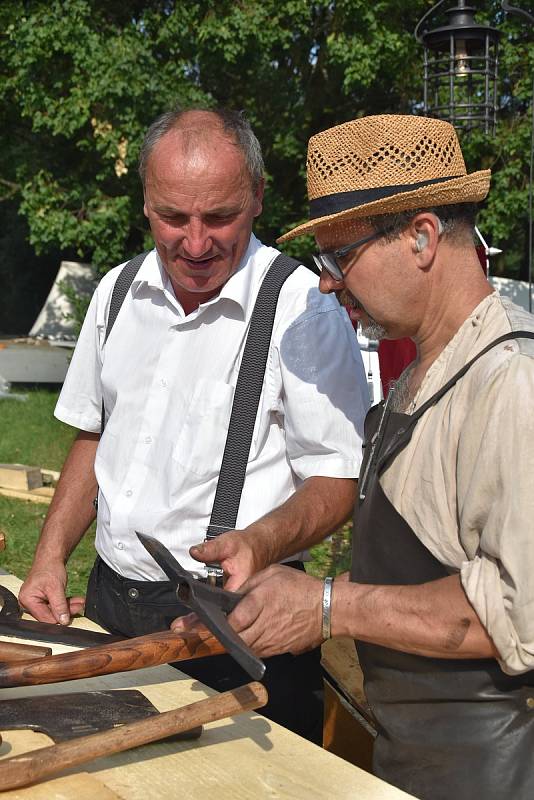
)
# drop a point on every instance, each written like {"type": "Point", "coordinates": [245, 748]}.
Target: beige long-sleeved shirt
{"type": "Point", "coordinates": [465, 482]}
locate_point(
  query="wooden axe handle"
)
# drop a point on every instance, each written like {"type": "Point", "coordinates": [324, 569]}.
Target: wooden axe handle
{"type": "Point", "coordinates": [12, 651]}
{"type": "Point", "coordinates": [143, 651]}
{"type": "Point", "coordinates": [30, 767]}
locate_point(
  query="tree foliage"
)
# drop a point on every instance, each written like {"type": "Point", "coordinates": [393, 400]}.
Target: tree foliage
{"type": "Point", "coordinates": [80, 80]}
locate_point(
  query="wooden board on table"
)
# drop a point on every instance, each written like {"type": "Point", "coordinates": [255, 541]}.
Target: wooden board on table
{"type": "Point", "coordinates": [243, 757]}
{"type": "Point", "coordinates": [20, 476]}
{"type": "Point", "coordinates": [80, 786]}
{"type": "Point", "coordinates": [42, 495]}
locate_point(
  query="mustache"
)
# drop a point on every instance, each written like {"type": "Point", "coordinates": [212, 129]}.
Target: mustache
{"type": "Point", "coordinates": [346, 298]}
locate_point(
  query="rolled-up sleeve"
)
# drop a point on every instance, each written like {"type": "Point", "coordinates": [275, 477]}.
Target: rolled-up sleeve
{"type": "Point", "coordinates": [324, 392]}
{"type": "Point", "coordinates": [498, 504]}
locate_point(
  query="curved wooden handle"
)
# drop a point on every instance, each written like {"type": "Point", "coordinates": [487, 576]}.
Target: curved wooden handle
{"type": "Point", "coordinates": [143, 651]}
{"type": "Point", "coordinates": [14, 651]}
{"type": "Point", "coordinates": [30, 767]}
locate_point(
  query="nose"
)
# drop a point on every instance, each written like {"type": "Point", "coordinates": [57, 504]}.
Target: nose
{"type": "Point", "coordinates": [197, 241]}
{"type": "Point", "coordinates": [327, 284]}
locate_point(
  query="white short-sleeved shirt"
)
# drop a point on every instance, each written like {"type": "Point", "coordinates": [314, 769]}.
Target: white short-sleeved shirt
{"type": "Point", "coordinates": [465, 481]}
{"type": "Point", "coordinates": [168, 382]}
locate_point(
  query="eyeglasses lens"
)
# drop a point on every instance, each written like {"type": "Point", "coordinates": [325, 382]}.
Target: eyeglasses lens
{"type": "Point", "coordinates": [328, 262]}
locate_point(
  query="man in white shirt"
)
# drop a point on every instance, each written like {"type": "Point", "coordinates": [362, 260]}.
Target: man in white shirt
{"type": "Point", "coordinates": [440, 594]}
{"type": "Point", "coordinates": [167, 376]}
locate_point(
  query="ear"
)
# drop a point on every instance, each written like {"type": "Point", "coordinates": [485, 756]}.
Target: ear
{"type": "Point", "coordinates": [257, 204]}
{"type": "Point", "coordinates": [424, 232]}
{"type": "Point", "coordinates": [145, 209]}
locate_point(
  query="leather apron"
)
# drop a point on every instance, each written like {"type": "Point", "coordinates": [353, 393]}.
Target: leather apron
{"type": "Point", "coordinates": [447, 729]}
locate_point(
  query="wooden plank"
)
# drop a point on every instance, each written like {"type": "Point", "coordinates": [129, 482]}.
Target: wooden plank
{"type": "Point", "coordinates": [20, 477]}
{"type": "Point", "coordinates": [235, 759]}
{"type": "Point", "coordinates": [81, 786]}
{"type": "Point", "coordinates": [42, 495]}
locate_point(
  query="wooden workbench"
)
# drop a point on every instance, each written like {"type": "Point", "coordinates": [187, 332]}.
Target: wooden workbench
{"type": "Point", "coordinates": [243, 758]}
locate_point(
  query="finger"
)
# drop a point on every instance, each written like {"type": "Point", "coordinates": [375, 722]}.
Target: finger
{"type": "Point", "coordinates": [76, 605]}
{"type": "Point", "coordinates": [184, 623]}
{"type": "Point", "coordinates": [233, 583]}
{"type": "Point", "coordinates": [59, 607]}
{"type": "Point", "coordinates": [38, 608]}
{"type": "Point", "coordinates": [275, 570]}
{"type": "Point", "coordinates": [244, 614]}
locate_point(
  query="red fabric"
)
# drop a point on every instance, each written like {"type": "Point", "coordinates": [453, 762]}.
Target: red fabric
{"type": "Point", "coordinates": [394, 355]}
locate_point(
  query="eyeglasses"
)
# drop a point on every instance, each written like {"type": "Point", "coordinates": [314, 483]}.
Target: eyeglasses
{"type": "Point", "coordinates": [329, 261]}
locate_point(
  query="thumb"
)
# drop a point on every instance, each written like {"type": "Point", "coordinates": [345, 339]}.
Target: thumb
{"type": "Point", "coordinates": [214, 551]}
{"type": "Point", "coordinates": [59, 607]}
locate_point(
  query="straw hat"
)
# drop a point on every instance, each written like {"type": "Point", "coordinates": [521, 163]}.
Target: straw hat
{"type": "Point", "coordinates": [385, 164]}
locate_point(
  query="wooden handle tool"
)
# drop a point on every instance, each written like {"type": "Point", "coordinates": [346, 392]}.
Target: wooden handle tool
{"type": "Point", "coordinates": [11, 651]}
{"type": "Point", "coordinates": [143, 651]}
{"type": "Point", "coordinates": [30, 767]}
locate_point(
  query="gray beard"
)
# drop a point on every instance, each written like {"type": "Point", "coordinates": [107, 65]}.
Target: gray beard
{"type": "Point", "coordinates": [372, 329]}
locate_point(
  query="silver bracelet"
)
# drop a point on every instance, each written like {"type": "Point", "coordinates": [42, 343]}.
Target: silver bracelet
{"type": "Point", "coordinates": [327, 607]}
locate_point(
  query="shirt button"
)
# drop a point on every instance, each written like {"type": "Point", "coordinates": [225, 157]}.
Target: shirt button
{"type": "Point", "coordinates": [120, 545]}
{"type": "Point", "coordinates": [163, 382]}
{"type": "Point", "coordinates": [148, 439]}
{"type": "Point", "coordinates": [133, 593]}
{"type": "Point", "coordinates": [129, 493]}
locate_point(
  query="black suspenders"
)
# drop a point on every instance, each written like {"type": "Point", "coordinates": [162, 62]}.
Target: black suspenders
{"type": "Point", "coordinates": [247, 391]}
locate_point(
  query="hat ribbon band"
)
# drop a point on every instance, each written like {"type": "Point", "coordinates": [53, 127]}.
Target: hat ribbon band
{"type": "Point", "coordinates": [342, 201]}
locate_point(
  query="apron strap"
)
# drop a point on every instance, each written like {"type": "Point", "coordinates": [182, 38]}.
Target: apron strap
{"type": "Point", "coordinates": [404, 434]}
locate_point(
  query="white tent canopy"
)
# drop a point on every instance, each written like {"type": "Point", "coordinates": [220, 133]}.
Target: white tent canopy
{"type": "Point", "coordinates": [53, 321]}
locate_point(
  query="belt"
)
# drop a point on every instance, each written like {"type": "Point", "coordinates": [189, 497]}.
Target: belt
{"type": "Point", "coordinates": [134, 583]}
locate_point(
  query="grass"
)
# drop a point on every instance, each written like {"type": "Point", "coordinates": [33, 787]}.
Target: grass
{"type": "Point", "coordinates": [21, 521]}
{"type": "Point", "coordinates": [29, 434]}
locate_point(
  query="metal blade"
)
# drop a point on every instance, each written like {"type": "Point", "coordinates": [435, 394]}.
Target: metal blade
{"type": "Point", "coordinates": [164, 558]}
{"type": "Point", "coordinates": [210, 603]}
{"type": "Point", "coordinates": [67, 716]}
{"type": "Point", "coordinates": [58, 634]}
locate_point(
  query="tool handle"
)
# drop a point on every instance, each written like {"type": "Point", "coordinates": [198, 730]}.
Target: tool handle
{"type": "Point", "coordinates": [143, 651]}
{"type": "Point", "coordinates": [30, 767]}
{"type": "Point", "coordinates": [11, 651]}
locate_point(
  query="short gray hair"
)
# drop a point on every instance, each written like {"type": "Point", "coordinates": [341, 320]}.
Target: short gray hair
{"type": "Point", "coordinates": [457, 220]}
{"type": "Point", "coordinates": [234, 124]}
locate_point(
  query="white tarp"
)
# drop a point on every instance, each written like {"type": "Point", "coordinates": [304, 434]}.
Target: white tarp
{"type": "Point", "coordinates": [517, 291]}
{"type": "Point", "coordinates": [53, 321]}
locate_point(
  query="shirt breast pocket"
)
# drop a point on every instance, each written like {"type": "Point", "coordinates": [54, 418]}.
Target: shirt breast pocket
{"type": "Point", "coordinates": [200, 445]}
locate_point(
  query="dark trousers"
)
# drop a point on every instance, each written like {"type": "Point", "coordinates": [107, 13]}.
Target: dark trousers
{"type": "Point", "coordinates": [135, 608]}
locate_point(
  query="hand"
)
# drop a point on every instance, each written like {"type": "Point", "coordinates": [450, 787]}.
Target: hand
{"type": "Point", "coordinates": [281, 612]}
{"type": "Point", "coordinates": [43, 595]}
{"type": "Point", "coordinates": [233, 550]}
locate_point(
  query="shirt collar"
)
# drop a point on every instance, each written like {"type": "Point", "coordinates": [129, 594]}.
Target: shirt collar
{"type": "Point", "coordinates": [238, 289]}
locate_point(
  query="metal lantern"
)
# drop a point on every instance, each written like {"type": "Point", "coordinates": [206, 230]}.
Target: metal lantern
{"type": "Point", "coordinates": [460, 69]}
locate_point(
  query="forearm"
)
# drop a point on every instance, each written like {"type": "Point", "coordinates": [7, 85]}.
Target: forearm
{"type": "Point", "coordinates": [71, 511]}
{"type": "Point", "coordinates": [433, 619]}
{"type": "Point", "coordinates": [318, 507]}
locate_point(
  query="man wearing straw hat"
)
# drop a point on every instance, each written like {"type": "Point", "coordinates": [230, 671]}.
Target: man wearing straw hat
{"type": "Point", "coordinates": [440, 596]}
